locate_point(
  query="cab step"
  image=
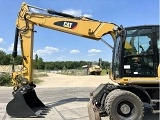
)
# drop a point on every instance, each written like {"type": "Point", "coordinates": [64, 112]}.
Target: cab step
{"type": "Point", "coordinates": [155, 101]}
{"type": "Point", "coordinates": [156, 111]}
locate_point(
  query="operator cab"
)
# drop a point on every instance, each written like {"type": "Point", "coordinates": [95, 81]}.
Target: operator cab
{"type": "Point", "coordinates": [136, 52]}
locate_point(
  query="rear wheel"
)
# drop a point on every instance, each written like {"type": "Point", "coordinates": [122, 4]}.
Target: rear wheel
{"type": "Point", "coordinates": [123, 105]}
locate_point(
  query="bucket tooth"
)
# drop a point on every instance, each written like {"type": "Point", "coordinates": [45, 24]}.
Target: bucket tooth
{"type": "Point", "coordinates": [43, 113]}
{"type": "Point", "coordinates": [25, 104]}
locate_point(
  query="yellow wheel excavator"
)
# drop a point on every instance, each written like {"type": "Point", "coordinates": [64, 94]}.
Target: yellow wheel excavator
{"type": "Point", "coordinates": [135, 70]}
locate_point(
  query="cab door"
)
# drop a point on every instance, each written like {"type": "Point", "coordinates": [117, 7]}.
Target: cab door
{"type": "Point", "coordinates": [140, 52]}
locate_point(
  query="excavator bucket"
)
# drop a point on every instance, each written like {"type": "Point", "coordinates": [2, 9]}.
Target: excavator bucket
{"type": "Point", "coordinates": [93, 112]}
{"type": "Point", "coordinates": [25, 105]}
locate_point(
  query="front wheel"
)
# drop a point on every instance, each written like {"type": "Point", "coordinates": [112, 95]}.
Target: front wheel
{"type": "Point", "coordinates": [123, 105]}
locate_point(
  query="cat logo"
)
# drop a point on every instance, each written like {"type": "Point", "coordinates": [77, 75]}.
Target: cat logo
{"type": "Point", "coordinates": [66, 24]}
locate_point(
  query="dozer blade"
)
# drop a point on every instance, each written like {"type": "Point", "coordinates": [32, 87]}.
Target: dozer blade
{"type": "Point", "coordinates": [93, 111]}
{"type": "Point", "coordinates": [25, 104]}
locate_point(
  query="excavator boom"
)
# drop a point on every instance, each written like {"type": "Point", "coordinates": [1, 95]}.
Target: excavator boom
{"type": "Point", "coordinates": [80, 26]}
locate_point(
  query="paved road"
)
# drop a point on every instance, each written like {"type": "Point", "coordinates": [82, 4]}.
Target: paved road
{"type": "Point", "coordinates": [66, 103]}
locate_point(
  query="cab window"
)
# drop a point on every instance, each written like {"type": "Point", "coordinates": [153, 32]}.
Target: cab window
{"type": "Point", "coordinates": [138, 52]}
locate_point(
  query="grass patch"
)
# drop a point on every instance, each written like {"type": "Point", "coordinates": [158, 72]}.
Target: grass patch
{"type": "Point", "coordinates": [40, 75]}
{"type": "Point", "coordinates": [37, 81]}
{"type": "Point", "coordinates": [36, 76]}
{"type": "Point", "coordinates": [104, 72]}
{"type": "Point", "coordinates": [5, 79]}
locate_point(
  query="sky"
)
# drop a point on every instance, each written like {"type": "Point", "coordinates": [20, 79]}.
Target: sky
{"type": "Point", "coordinates": [53, 45]}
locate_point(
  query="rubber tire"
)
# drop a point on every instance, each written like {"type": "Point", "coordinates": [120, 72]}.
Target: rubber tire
{"type": "Point", "coordinates": [117, 96]}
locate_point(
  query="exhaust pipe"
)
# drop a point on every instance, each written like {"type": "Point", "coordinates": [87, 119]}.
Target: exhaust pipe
{"type": "Point", "coordinates": [26, 104]}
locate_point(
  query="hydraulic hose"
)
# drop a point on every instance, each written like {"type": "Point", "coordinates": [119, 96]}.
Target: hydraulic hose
{"type": "Point", "coordinates": [14, 53]}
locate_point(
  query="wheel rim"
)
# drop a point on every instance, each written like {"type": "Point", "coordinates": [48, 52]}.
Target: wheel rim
{"type": "Point", "coordinates": [126, 109]}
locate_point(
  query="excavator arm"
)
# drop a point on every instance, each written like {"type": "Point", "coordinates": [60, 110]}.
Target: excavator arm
{"type": "Point", "coordinates": [47, 18]}
{"type": "Point", "coordinates": [79, 26]}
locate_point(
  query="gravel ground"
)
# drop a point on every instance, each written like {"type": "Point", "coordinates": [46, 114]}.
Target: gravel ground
{"type": "Point", "coordinates": [91, 81]}
{"type": "Point", "coordinates": [67, 95]}
{"type": "Point", "coordinates": [57, 80]}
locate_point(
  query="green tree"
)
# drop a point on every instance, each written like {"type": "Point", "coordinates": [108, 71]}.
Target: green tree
{"type": "Point", "coordinates": [18, 60]}
{"type": "Point", "coordinates": [36, 57]}
{"type": "Point", "coordinates": [40, 63]}
{"type": "Point", "coordinates": [7, 59]}
{"type": "Point", "coordinates": [35, 66]}
{"type": "Point", "coordinates": [105, 65]}
{"type": "Point", "coordinates": [2, 57]}
{"type": "Point", "coordinates": [61, 65]}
